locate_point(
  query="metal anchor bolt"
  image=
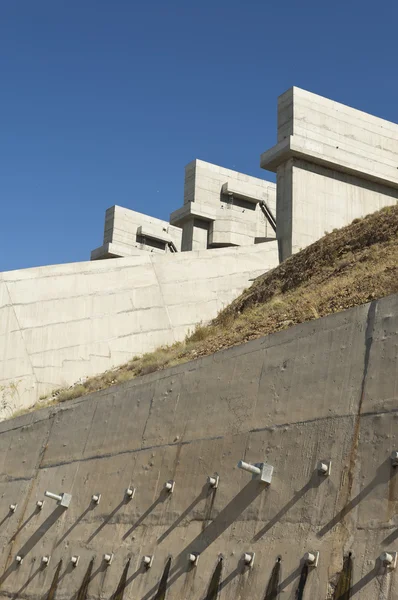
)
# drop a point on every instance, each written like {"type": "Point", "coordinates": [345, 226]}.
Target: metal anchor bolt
{"type": "Point", "coordinates": [311, 558]}
{"type": "Point", "coordinates": [213, 481]}
{"type": "Point", "coordinates": [248, 558]}
{"type": "Point", "coordinates": [261, 471]}
{"type": "Point", "coordinates": [169, 486]}
{"type": "Point", "coordinates": [62, 499]}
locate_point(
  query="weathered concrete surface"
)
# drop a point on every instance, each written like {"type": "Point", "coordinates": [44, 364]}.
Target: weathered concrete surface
{"type": "Point", "coordinates": [223, 208]}
{"type": "Point", "coordinates": [333, 163]}
{"type": "Point", "coordinates": [64, 322]}
{"type": "Point", "coordinates": [327, 389]}
{"type": "Point", "coordinates": [128, 233]}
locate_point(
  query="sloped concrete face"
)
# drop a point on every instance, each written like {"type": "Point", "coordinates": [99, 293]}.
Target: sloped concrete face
{"type": "Point", "coordinates": [333, 163]}
{"type": "Point", "coordinates": [64, 322]}
{"type": "Point", "coordinates": [325, 390]}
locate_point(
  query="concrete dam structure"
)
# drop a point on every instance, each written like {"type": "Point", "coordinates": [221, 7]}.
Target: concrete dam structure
{"type": "Point", "coordinates": [146, 498]}
{"type": "Point", "coordinates": [262, 472]}
{"type": "Point", "coordinates": [60, 324]}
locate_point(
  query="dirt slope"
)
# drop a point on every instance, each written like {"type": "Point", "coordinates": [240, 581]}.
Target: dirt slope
{"type": "Point", "coordinates": [346, 268]}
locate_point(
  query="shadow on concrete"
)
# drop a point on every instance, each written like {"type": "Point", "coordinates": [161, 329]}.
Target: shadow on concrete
{"type": "Point", "coordinates": [119, 592]}
{"type": "Point", "coordinates": [378, 569]}
{"type": "Point", "coordinates": [27, 582]}
{"type": "Point", "coordinates": [390, 538]}
{"type": "Point", "coordinates": [106, 519]}
{"type": "Point", "coordinates": [240, 569]}
{"type": "Point", "coordinates": [4, 519]}
{"type": "Point", "coordinates": [215, 581]}
{"type": "Point", "coordinates": [140, 571]}
{"type": "Point", "coordinates": [81, 593]}
{"type": "Point", "coordinates": [41, 531]}
{"type": "Point", "coordinates": [383, 475]}
{"type": "Point", "coordinates": [315, 481]}
{"type": "Point", "coordinates": [75, 524]}
{"type": "Point", "coordinates": [163, 495]}
{"type": "Point", "coordinates": [34, 513]}
{"type": "Point", "coordinates": [206, 491]}
{"type": "Point", "coordinates": [224, 519]}
{"type": "Point", "coordinates": [50, 595]}
{"type": "Point", "coordinates": [359, 585]}
{"type": "Point", "coordinates": [33, 540]}
{"type": "Point", "coordinates": [69, 569]}
{"type": "Point", "coordinates": [289, 579]}
{"type": "Point", "coordinates": [162, 589]}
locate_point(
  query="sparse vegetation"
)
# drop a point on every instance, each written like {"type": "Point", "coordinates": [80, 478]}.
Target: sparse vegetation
{"type": "Point", "coordinates": [346, 268]}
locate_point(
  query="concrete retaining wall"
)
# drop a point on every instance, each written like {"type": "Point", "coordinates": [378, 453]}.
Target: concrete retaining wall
{"type": "Point", "coordinates": [327, 389]}
{"type": "Point", "coordinates": [64, 322]}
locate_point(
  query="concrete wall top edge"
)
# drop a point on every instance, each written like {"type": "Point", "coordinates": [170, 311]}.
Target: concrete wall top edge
{"type": "Point", "coordinates": [334, 104]}
{"type": "Point", "coordinates": [125, 262]}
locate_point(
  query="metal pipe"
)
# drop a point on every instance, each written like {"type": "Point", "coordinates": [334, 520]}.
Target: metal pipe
{"type": "Point", "coordinates": [56, 497]}
{"type": "Point", "coordinates": [248, 467]}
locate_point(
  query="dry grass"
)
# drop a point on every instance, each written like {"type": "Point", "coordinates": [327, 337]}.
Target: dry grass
{"type": "Point", "coordinates": [346, 268]}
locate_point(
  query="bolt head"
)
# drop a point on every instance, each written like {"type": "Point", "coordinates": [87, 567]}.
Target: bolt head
{"type": "Point", "coordinates": [193, 558]}
{"type": "Point", "coordinates": [130, 493]}
{"type": "Point", "coordinates": [108, 558]}
{"type": "Point", "coordinates": [311, 558]}
{"type": "Point", "coordinates": [389, 559]}
{"type": "Point", "coordinates": [13, 507]}
{"type": "Point", "coordinates": [96, 498]}
{"type": "Point", "coordinates": [248, 558]}
{"type": "Point", "coordinates": [169, 486]}
{"type": "Point", "coordinates": [213, 481]}
{"type": "Point", "coordinates": [40, 504]}
{"type": "Point", "coordinates": [324, 467]}
{"type": "Point", "coordinates": [148, 560]}
{"type": "Point", "coordinates": [45, 560]}
{"type": "Point", "coordinates": [75, 560]}
{"type": "Point", "coordinates": [19, 559]}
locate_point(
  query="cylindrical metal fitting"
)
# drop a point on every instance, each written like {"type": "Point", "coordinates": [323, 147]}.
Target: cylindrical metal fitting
{"type": "Point", "coordinates": [19, 559]}
{"type": "Point", "coordinates": [56, 497]}
{"type": "Point", "coordinates": [310, 558]}
{"type": "Point", "coordinates": [40, 504]}
{"type": "Point", "coordinates": [45, 560]}
{"type": "Point", "coordinates": [323, 468]}
{"type": "Point", "coordinates": [147, 560]}
{"type": "Point", "coordinates": [75, 560]}
{"type": "Point", "coordinates": [248, 467]}
{"type": "Point", "coordinates": [13, 507]}
{"type": "Point", "coordinates": [386, 558]}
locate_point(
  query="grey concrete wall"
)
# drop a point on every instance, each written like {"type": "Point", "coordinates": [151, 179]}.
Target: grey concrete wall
{"type": "Point", "coordinates": [327, 389]}
{"type": "Point", "coordinates": [221, 208]}
{"type": "Point", "coordinates": [65, 322]}
{"type": "Point", "coordinates": [128, 232]}
{"type": "Point", "coordinates": [333, 163]}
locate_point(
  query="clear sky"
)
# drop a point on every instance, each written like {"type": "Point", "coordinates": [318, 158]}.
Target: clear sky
{"type": "Point", "coordinates": [104, 102]}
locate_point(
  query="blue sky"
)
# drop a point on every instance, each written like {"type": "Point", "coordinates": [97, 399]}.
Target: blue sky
{"type": "Point", "coordinates": [104, 102]}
